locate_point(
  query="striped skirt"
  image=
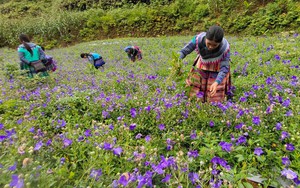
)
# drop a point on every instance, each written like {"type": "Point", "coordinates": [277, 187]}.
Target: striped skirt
{"type": "Point", "coordinates": [200, 81]}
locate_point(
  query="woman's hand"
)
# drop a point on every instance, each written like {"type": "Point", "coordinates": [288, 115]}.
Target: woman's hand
{"type": "Point", "coordinates": [213, 89]}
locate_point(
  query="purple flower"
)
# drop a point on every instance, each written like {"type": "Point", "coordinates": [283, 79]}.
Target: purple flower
{"type": "Point", "coordinates": [132, 126]}
{"type": "Point", "coordinates": [200, 94]}
{"type": "Point", "coordinates": [290, 147]}
{"type": "Point", "coordinates": [31, 130]}
{"type": "Point", "coordinates": [48, 143]}
{"type": "Point", "coordinates": [193, 135]}
{"type": "Point", "coordinates": [138, 136]}
{"type": "Point", "coordinates": [193, 177]}
{"type": "Point", "coordinates": [239, 126]}
{"type": "Point", "coordinates": [87, 133]}
{"type": "Point", "coordinates": [147, 138]}
{"type": "Point", "coordinates": [243, 99]}
{"type": "Point", "coordinates": [123, 180]}
{"type": "Point", "coordinates": [258, 151]}
{"type": "Point", "coordinates": [107, 146]}
{"type": "Point", "coordinates": [38, 146]}
{"type": "Point", "coordinates": [284, 135]}
{"type": "Point", "coordinates": [285, 161]}
{"type": "Point", "coordinates": [256, 120]}
{"type": "Point", "coordinates": [96, 173]}
{"type": "Point", "coordinates": [278, 126]}
{"type": "Point", "coordinates": [167, 178]}
{"type": "Point", "coordinates": [211, 124]}
{"type": "Point", "coordinates": [289, 113]}
{"type": "Point", "coordinates": [16, 181]}
{"type": "Point", "coordinates": [289, 174]}
{"type": "Point", "coordinates": [133, 112]}
{"type": "Point", "coordinates": [241, 140]}
{"type": "Point", "coordinates": [67, 142]}
{"type": "Point", "coordinates": [277, 57]}
{"type": "Point", "coordinates": [286, 103]}
{"type": "Point", "coordinates": [62, 160]}
{"type": "Point", "coordinates": [2, 138]}
{"type": "Point", "coordinates": [161, 127]}
{"type": "Point", "coordinates": [193, 153]}
{"type": "Point", "coordinates": [225, 146]}
{"type": "Point", "coordinates": [1, 126]}
{"type": "Point", "coordinates": [117, 151]}
{"type": "Point", "coordinates": [13, 167]}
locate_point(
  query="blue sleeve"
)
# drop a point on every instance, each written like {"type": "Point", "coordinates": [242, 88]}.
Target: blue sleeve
{"type": "Point", "coordinates": [224, 69]}
{"type": "Point", "coordinates": [189, 48]}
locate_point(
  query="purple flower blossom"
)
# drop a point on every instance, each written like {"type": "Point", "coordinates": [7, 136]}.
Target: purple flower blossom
{"type": "Point", "coordinates": [31, 130]}
{"type": "Point", "coordinates": [87, 133]}
{"type": "Point", "coordinates": [123, 180]}
{"type": "Point", "coordinates": [62, 160]}
{"type": "Point", "coordinates": [285, 161]}
{"type": "Point", "coordinates": [193, 177]}
{"type": "Point", "coordinates": [256, 120]}
{"type": "Point", "coordinates": [278, 126]}
{"type": "Point", "coordinates": [211, 124]}
{"type": "Point", "coordinates": [239, 126]}
{"type": "Point", "coordinates": [38, 146]}
{"type": "Point", "coordinates": [225, 146]}
{"type": "Point", "coordinates": [193, 135]}
{"type": "Point", "coordinates": [277, 57]}
{"type": "Point", "coordinates": [107, 146]}
{"type": "Point", "coordinates": [67, 142]}
{"type": "Point", "coordinates": [241, 140]}
{"type": "Point", "coordinates": [132, 126]}
{"type": "Point", "coordinates": [161, 127]}
{"type": "Point", "coordinates": [167, 178]}
{"type": "Point", "coordinates": [2, 138]}
{"type": "Point", "coordinates": [290, 147]}
{"type": "Point", "coordinates": [16, 181]}
{"type": "Point", "coordinates": [289, 174]}
{"type": "Point", "coordinates": [49, 142]}
{"type": "Point", "coordinates": [286, 103]}
{"type": "Point", "coordinates": [13, 167]}
{"type": "Point", "coordinates": [193, 153]}
{"type": "Point", "coordinates": [117, 151]}
{"type": "Point", "coordinates": [258, 151]}
{"type": "Point", "coordinates": [133, 112]}
{"type": "Point", "coordinates": [138, 136]}
{"type": "Point", "coordinates": [284, 135]}
{"type": "Point", "coordinates": [96, 173]}
{"type": "Point", "coordinates": [148, 138]}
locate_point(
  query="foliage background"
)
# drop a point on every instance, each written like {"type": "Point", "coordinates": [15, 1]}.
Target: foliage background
{"type": "Point", "coordinates": [59, 23]}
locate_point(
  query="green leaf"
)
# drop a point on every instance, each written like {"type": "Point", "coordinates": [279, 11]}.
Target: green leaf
{"type": "Point", "coordinates": [240, 185]}
{"type": "Point", "coordinates": [247, 185]}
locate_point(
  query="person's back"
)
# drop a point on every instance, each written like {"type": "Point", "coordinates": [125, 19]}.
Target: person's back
{"type": "Point", "coordinates": [31, 56]}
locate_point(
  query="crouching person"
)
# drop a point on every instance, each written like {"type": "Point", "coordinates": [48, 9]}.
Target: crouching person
{"type": "Point", "coordinates": [31, 57]}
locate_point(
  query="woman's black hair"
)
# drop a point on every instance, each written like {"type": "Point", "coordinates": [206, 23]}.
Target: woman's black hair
{"type": "Point", "coordinates": [84, 55]}
{"type": "Point", "coordinates": [25, 39]}
{"type": "Point", "coordinates": [215, 33]}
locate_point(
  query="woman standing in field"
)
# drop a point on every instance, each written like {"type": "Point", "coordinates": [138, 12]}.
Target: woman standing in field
{"type": "Point", "coordinates": [133, 53]}
{"type": "Point", "coordinates": [31, 57]}
{"type": "Point", "coordinates": [209, 78]}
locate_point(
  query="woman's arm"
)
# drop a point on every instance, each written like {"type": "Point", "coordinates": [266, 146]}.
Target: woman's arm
{"type": "Point", "coordinates": [224, 68]}
{"type": "Point", "coordinates": [191, 46]}
{"type": "Point", "coordinates": [22, 57]}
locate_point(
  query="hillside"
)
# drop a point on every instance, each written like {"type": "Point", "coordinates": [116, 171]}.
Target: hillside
{"type": "Point", "coordinates": [58, 23]}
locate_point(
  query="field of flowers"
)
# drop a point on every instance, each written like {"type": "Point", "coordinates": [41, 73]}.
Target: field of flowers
{"type": "Point", "coordinates": [132, 125]}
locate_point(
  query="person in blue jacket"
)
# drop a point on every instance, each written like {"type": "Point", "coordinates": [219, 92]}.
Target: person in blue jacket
{"type": "Point", "coordinates": [94, 58]}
